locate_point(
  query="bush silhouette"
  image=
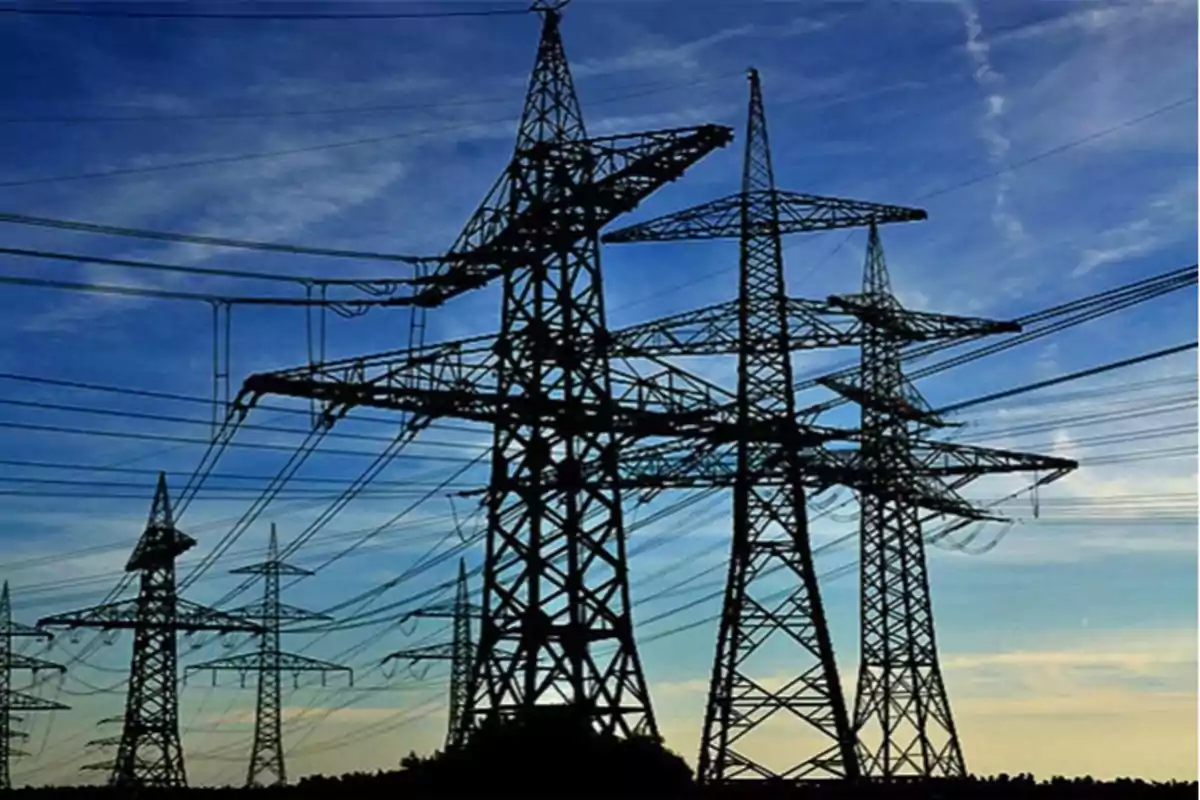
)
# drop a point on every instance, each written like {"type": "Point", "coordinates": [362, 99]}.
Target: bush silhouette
{"type": "Point", "coordinates": [543, 751]}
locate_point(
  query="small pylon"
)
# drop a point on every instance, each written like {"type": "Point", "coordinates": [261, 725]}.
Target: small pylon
{"type": "Point", "coordinates": [11, 700]}
{"type": "Point", "coordinates": [901, 711]}
{"type": "Point", "coordinates": [149, 753]}
{"type": "Point", "coordinates": [267, 767]}
{"type": "Point", "coordinates": [458, 653]}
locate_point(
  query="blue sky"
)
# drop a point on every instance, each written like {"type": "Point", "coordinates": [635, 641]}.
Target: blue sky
{"type": "Point", "coordinates": [1085, 613]}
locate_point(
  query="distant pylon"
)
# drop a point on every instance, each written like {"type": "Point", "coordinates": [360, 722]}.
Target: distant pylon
{"type": "Point", "coordinates": [149, 753]}
{"type": "Point", "coordinates": [901, 712]}
{"type": "Point", "coordinates": [770, 525]}
{"type": "Point", "coordinates": [267, 766]}
{"type": "Point", "coordinates": [11, 700]}
{"type": "Point", "coordinates": [458, 653]}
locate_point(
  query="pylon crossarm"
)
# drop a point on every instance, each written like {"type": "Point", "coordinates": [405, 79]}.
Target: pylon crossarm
{"type": "Point", "coordinates": [798, 213]}
{"type": "Point", "coordinates": [97, 766]}
{"type": "Point", "coordinates": [123, 615]}
{"type": "Point", "coordinates": [32, 663]}
{"type": "Point", "coordinates": [17, 629]}
{"type": "Point", "coordinates": [716, 219]}
{"type": "Point", "coordinates": [291, 662]}
{"type": "Point", "coordinates": [628, 168]}
{"type": "Point", "coordinates": [20, 701]}
{"type": "Point", "coordinates": [247, 662]}
{"type": "Point", "coordinates": [906, 403]}
{"type": "Point", "coordinates": [947, 459]}
{"type": "Point", "coordinates": [807, 212]}
{"type": "Point", "coordinates": [714, 330]}
{"type": "Point", "coordinates": [663, 402]}
{"type": "Point", "coordinates": [108, 741]}
{"type": "Point", "coordinates": [278, 567]}
{"type": "Point", "coordinates": [703, 331]}
{"type": "Point", "coordinates": [611, 176]}
{"type": "Point", "coordinates": [907, 325]}
{"type": "Point", "coordinates": [433, 652]}
{"type": "Point", "coordinates": [281, 611]}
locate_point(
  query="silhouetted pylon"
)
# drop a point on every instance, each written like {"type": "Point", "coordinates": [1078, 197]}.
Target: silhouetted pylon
{"type": "Point", "coordinates": [267, 766]}
{"type": "Point", "coordinates": [11, 700]}
{"type": "Point", "coordinates": [149, 753]}
{"type": "Point", "coordinates": [458, 652]}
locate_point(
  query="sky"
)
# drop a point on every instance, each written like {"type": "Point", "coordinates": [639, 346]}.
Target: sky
{"type": "Point", "coordinates": [1068, 648]}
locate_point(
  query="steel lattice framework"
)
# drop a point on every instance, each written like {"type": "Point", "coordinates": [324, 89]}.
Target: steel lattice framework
{"type": "Point", "coordinates": [10, 699]}
{"type": "Point", "coordinates": [267, 766]}
{"type": "Point", "coordinates": [149, 753]}
{"type": "Point", "coordinates": [457, 651]}
{"type": "Point", "coordinates": [770, 529]}
{"type": "Point", "coordinates": [567, 409]}
{"type": "Point", "coordinates": [901, 713]}
{"type": "Point", "coordinates": [556, 625]}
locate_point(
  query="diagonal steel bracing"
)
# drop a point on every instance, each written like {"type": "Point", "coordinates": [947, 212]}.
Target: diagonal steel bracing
{"type": "Point", "coordinates": [770, 522]}
{"type": "Point", "coordinates": [457, 651]}
{"type": "Point", "coordinates": [556, 625]}
{"type": "Point", "coordinates": [267, 767]}
{"type": "Point", "coordinates": [10, 699]}
{"type": "Point", "coordinates": [149, 752]}
{"type": "Point", "coordinates": [902, 714]}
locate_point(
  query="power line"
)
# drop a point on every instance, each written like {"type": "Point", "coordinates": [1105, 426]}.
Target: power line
{"type": "Point", "coordinates": [166, 294]}
{"type": "Point", "coordinates": [1073, 376]}
{"type": "Point", "coordinates": [213, 241]}
{"type": "Point", "coordinates": [243, 157]}
{"type": "Point", "coordinates": [113, 412]}
{"type": "Point", "coordinates": [207, 442]}
{"type": "Point", "coordinates": [1010, 167]}
{"type": "Point", "coordinates": [303, 16]}
{"type": "Point", "coordinates": [1062, 148]}
{"type": "Point", "coordinates": [159, 266]}
{"type": "Point", "coordinates": [640, 89]}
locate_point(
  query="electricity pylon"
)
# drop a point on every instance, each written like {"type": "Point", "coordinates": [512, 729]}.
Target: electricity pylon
{"type": "Point", "coordinates": [10, 699]}
{"type": "Point", "coordinates": [266, 757]}
{"type": "Point", "coordinates": [901, 713]}
{"type": "Point", "coordinates": [457, 652]}
{"type": "Point", "coordinates": [556, 626]}
{"type": "Point", "coordinates": [149, 753]}
{"type": "Point", "coordinates": [770, 527]}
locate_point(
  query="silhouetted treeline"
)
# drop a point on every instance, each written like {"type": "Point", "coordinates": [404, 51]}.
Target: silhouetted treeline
{"type": "Point", "coordinates": [555, 754]}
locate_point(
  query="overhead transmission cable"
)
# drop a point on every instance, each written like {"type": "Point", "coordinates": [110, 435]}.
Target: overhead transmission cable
{"type": "Point", "coordinates": [299, 16]}
{"type": "Point", "coordinates": [270, 154]}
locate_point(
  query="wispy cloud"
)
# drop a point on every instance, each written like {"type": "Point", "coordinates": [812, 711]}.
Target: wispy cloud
{"type": "Point", "coordinates": [991, 125]}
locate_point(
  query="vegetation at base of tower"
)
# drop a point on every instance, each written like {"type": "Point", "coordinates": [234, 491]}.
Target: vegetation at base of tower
{"type": "Point", "coordinates": [548, 749]}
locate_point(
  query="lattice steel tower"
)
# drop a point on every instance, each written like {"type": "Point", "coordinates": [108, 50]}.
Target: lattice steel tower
{"type": "Point", "coordinates": [770, 527]}
{"type": "Point", "coordinates": [457, 652]}
{"type": "Point", "coordinates": [901, 712]}
{"type": "Point", "coordinates": [10, 699]}
{"type": "Point", "coordinates": [149, 753]}
{"type": "Point", "coordinates": [556, 626]}
{"type": "Point", "coordinates": [266, 756]}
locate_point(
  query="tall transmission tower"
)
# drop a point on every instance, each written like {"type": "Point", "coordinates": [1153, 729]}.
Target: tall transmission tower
{"type": "Point", "coordinates": [556, 625]}
{"type": "Point", "coordinates": [149, 753]}
{"type": "Point", "coordinates": [770, 528]}
{"type": "Point", "coordinates": [457, 652]}
{"type": "Point", "coordinates": [10, 699]}
{"type": "Point", "coordinates": [901, 713]}
{"type": "Point", "coordinates": [266, 757]}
